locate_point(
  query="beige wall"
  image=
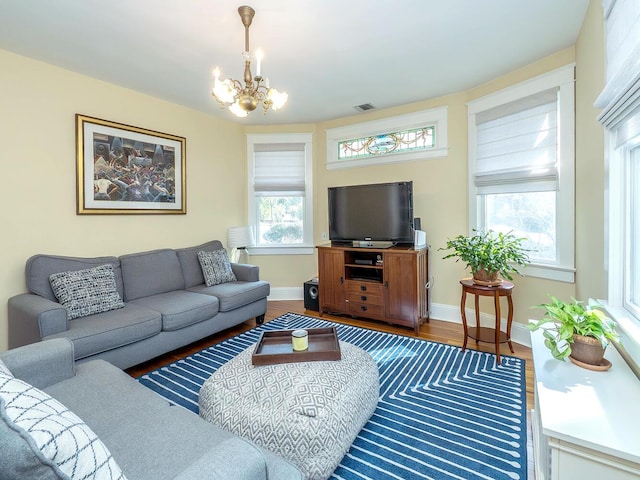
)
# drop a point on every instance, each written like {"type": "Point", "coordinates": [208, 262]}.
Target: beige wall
{"type": "Point", "coordinates": [38, 162]}
{"type": "Point", "coordinates": [38, 159]}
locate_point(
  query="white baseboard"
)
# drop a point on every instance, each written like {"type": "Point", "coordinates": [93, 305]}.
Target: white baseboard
{"type": "Point", "coordinates": [286, 293]}
{"type": "Point", "coordinates": [450, 313]}
{"type": "Point", "coordinates": [439, 311]}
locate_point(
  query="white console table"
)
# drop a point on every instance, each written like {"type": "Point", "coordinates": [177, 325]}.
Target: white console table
{"type": "Point", "coordinates": [586, 424]}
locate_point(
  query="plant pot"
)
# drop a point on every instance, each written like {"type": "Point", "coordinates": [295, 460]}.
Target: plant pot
{"type": "Point", "coordinates": [587, 350]}
{"type": "Point", "coordinates": [481, 277]}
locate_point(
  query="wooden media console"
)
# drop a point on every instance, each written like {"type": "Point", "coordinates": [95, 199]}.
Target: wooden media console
{"type": "Point", "coordinates": [388, 284]}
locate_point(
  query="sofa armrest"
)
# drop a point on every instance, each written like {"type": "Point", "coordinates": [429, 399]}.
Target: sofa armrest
{"type": "Point", "coordinates": [245, 272]}
{"type": "Point", "coordinates": [32, 317]}
{"type": "Point", "coordinates": [41, 364]}
{"type": "Point", "coordinates": [233, 458]}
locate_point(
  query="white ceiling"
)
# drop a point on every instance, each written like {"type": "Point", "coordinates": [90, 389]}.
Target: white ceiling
{"type": "Point", "coordinates": [328, 55]}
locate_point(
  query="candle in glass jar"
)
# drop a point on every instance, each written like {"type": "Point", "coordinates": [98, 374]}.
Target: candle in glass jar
{"type": "Point", "coordinates": [300, 340]}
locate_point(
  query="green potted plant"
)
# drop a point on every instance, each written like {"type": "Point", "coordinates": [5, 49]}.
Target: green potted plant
{"type": "Point", "coordinates": [580, 332]}
{"type": "Point", "coordinates": [489, 255]}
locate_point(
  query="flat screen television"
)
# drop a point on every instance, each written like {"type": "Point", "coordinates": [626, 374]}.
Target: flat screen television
{"type": "Point", "coordinates": [381, 212]}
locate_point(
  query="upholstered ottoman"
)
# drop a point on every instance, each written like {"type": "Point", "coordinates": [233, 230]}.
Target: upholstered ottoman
{"type": "Point", "coordinates": [308, 412]}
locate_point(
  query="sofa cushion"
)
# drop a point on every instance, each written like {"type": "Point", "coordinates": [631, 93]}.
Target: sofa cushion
{"type": "Point", "coordinates": [108, 330]}
{"type": "Point", "coordinates": [88, 291]}
{"type": "Point", "coordinates": [180, 308]}
{"type": "Point", "coordinates": [145, 420]}
{"type": "Point", "coordinates": [43, 439]}
{"type": "Point", "coordinates": [40, 267]}
{"type": "Point", "coordinates": [150, 273]}
{"type": "Point", "coordinates": [191, 269]}
{"type": "Point", "coordinates": [233, 295]}
{"type": "Point", "coordinates": [216, 267]}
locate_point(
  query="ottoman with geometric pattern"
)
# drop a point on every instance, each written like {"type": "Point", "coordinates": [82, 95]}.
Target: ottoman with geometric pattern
{"type": "Point", "coordinates": [307, 412]}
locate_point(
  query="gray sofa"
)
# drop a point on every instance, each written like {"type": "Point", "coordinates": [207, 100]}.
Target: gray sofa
{"type": "Point", "coordinates": [166, 305]}
{"type": "Point", "coordinates": [147, 437]}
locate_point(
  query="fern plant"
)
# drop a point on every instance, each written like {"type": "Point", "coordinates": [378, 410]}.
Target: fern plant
{"type": "Point", "coordinates": [489, 251]}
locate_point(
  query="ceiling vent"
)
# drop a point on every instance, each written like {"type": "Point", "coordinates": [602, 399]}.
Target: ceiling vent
{"type": "Point", "coordinates": [364, 107]}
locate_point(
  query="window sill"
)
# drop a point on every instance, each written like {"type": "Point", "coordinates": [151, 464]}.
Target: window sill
{"type": "Point", "coordinates": [282, 250]}
{"type": "Point", "coordinates": [550, 272]}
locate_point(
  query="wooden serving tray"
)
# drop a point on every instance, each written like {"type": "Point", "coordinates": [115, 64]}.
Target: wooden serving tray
{"type": "Point", "coordinates": [275, 347]}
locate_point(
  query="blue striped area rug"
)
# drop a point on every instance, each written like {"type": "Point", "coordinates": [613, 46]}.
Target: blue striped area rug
{"type": "Point", "coordinates": [442, 413]}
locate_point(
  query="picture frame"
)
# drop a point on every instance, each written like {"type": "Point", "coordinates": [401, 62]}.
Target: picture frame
{"type": "Point", "coordinates": [122, 169]}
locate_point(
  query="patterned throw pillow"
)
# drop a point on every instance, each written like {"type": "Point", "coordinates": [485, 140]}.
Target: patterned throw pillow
{"type": "Point", "coordinates": [85, 292]}
{"type": "Point", "coordinates": [216, 267]}
{"type": "Point", "coordinates": [49, 434]}
{"type": "Point", "coordinates": [4, 369]}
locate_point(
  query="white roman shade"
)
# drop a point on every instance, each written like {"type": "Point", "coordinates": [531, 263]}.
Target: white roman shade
{"type": "Point", "coordinates": [620, 99]}
{"type": "Point", "coordinates": [279, 169]}
{"type": "Point", "coordinates": [517, 146]}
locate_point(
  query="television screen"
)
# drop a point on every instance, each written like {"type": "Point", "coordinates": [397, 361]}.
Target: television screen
{"type": "Point", "coordinates": [377, 212]}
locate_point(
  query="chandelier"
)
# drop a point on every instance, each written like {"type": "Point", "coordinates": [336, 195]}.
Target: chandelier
{"type": "Point", "coordinates": [241, 99]}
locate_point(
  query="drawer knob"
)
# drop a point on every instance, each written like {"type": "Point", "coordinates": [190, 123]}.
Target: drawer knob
{"type": "Point", "coordinates": [363, 288]}
{"type": "Point", "coordinates": [363, 298]}
{"type": "Point", "coordinates": [363, 308]}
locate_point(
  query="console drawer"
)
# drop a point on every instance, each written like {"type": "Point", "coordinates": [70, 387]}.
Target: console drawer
{"type": "Point", "coordinates": [365, 298]}
{"type": "Point", "coordinates": [364, 288]}
{"type": "Point", "coordinates": [365, 310]}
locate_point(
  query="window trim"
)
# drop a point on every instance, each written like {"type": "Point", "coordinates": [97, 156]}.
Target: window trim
{"type": "Point", "coordinates": [564, 78]}
{"type": "Point", "coordinates": [307, 247]}
{"type": "Point", "coordinates": [436, 117]}
{"type": "Point", "coordinates": [618, 145]}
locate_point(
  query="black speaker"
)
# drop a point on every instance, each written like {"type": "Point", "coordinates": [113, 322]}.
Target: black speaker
{"type": "Point", "coordinates": [311, 296]}
{"type": "Point", "coordinates": [417, 224]}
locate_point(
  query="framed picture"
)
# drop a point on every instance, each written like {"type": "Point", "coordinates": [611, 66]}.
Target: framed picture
{"type": "Point", "coordinates": [128, 170]}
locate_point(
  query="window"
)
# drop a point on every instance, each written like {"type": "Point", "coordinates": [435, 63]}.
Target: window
{"type": "Point", "coordinates": [414, 136]}
{"type": "Point", "coordinates": [620, 101]}
{"type": "Point", "coordinates": [415, 139]}
{"type": "Point", "coordinates": [521, 165]}
{"type": "Point", "coordinates": [280, 193]}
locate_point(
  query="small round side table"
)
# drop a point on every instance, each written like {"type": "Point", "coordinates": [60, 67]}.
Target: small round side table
{"type": "Point", "coordinates": [487, 334]}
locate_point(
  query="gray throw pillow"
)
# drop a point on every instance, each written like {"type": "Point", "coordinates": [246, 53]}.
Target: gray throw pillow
{"type": "Point", "coordinates": [85, 292]}
{"type": "Point", "coordinates": [216, 267]}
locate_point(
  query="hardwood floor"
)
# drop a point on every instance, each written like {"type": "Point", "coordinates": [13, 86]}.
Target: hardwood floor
{"type": "Point", "coordinates": [435, 330]}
